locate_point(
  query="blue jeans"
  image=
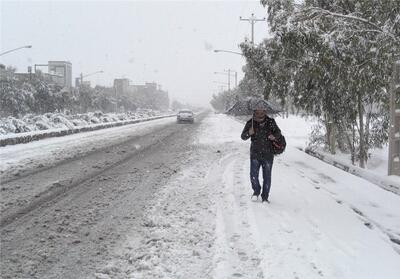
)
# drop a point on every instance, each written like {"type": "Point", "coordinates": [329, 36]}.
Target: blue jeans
{"type": "Point", "coordinates": [266, 165]}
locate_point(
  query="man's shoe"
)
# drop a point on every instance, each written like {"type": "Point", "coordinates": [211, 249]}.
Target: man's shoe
{"type": "Point", "coordinates": [265, 200]}
{"type": "Point", "coordinates": [254, 197]}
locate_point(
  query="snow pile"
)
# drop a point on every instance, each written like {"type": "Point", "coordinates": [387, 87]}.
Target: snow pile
{"type": "Point", "coordinates": [48, 121]}
{"type": "Point", "coordinates": [32, 128]}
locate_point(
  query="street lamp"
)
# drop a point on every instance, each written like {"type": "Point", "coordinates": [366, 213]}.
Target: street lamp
{"type": "Point", "coordinates": [228, 51]}
{"type": "Point", "coordinates": [8, 51]}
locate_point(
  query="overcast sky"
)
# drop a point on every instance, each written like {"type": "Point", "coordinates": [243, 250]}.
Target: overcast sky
{"type": "Point", "coordinates": [168, 42]}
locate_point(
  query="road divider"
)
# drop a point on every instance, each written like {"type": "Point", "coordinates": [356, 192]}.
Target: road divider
{"type": "Point", "coordinates": [38, 135]}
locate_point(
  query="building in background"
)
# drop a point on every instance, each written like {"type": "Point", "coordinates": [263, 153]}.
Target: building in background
{"type": "Point", "coordinates": [121, 86]}
{"type": "Point", "coordinates": [150, 95]}
{"type": "Point", "coordinates": [51, 78]}
{"type": "Point", "coordinates": [62, 71]}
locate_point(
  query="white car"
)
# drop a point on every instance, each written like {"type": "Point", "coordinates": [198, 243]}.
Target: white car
{"type": "Point", "coordinates": [185, 116]}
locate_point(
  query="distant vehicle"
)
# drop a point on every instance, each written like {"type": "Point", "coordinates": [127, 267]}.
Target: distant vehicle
{"type": "Point", "coordinates": [185, 116]}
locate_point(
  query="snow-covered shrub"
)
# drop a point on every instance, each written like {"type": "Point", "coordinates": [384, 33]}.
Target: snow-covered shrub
{"type": "Point", "coordinates": [18, 125]}
{"type": "Point", "coordinates": [48, 115]}
{"type": "Point", "coordinates": [29, 119]}
{"type": "Point", "coordinates": [98, 114]}
{"type": "Point", "coordinates": [78, 122]}
{"type": "Point", "coordinates": [42, 125]}
{"type": "Point", "coordinates": [93, 119]}
{"type": "Point", "coordinates": [7, 125]}
{"type": "Point", "coordinates": [113, 117]}
{"type": "Point", "coordinates": [2, 131]}
{"type": "Point", "coordinates": [317, 137]}
{"type": "Point", "coordinates": [61, 122]}
{"type": "Point", "coordinates": [122, 116]}
{"type": "Point", "coordinates": [47, 121]}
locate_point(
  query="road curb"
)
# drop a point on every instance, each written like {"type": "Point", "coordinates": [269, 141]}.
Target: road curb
{"type": "Point", "coordinates": [380, 181]}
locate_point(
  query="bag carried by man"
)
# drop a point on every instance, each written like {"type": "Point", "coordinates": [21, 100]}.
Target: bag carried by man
{"type": "Point", "coordinates": [278, 145]}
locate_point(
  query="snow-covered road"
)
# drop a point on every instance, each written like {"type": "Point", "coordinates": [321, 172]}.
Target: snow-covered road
{"type": "Point", "coordinates": [199, 221]}
{"type": "Point", "coordinates": [17, 160]}
{"type": "Point", "coordinates": [321, 222]}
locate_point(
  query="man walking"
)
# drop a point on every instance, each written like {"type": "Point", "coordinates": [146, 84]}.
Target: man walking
{"type": "Point", "coordinates": [262, 130]}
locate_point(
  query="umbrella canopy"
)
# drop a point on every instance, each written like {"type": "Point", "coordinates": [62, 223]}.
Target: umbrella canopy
{"type": "Point", "coordinates": [248, 106]}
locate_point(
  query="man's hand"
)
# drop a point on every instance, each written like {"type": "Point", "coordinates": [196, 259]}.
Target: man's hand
{"type": "Point", "coordinates": [251, 131]}
{"type": "Point", "coordinates": [271, 137]}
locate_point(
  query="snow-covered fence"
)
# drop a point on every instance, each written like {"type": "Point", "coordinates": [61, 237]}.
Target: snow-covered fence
{"type": "Point", "coordinates": [37, 135]}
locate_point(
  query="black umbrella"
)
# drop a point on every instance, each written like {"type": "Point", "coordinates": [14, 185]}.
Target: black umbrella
{"type": "Point", "coordinates": [249, 105]}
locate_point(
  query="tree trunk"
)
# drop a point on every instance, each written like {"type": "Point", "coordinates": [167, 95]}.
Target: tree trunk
{"type": "Point", "coordinates": [349, 139]}
{"type": "Point", "coordinates": [330, 134]}
{"type": "Point", "coordinates": [361, 130]}
{"type": "Point", "coordinates": [368, 116]}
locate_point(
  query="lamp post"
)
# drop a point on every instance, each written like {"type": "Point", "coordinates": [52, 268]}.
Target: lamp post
{"type": "Point", "coordinates": [228, 51]}
{"type": "Point", "coordinates": [11, 50]}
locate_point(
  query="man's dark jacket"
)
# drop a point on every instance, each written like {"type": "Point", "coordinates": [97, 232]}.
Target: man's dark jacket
{"type": "Point", "coordinates": [261, 146]}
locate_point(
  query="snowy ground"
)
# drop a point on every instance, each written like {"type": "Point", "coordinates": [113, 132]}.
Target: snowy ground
{"type": "Point", "coordinates": [321, 222]}
{"type": "Point", "coordinates": [377, 166]}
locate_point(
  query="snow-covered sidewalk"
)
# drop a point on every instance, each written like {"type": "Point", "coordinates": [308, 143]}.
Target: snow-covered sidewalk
{"type": "Point", "coordinates": [321, 222]}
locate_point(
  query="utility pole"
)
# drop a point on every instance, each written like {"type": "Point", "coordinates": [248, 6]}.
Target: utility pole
{"type": "Point", "coordinates": [235, 79]}
{"type": "Point", "coordinates": [252, 21]}
{"type": "Point", "coordinates": [229, 79]}
{"type": "Point", "coordinates": [229, 73]}
{"type": "Point", "coordinates": [394, 127]}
